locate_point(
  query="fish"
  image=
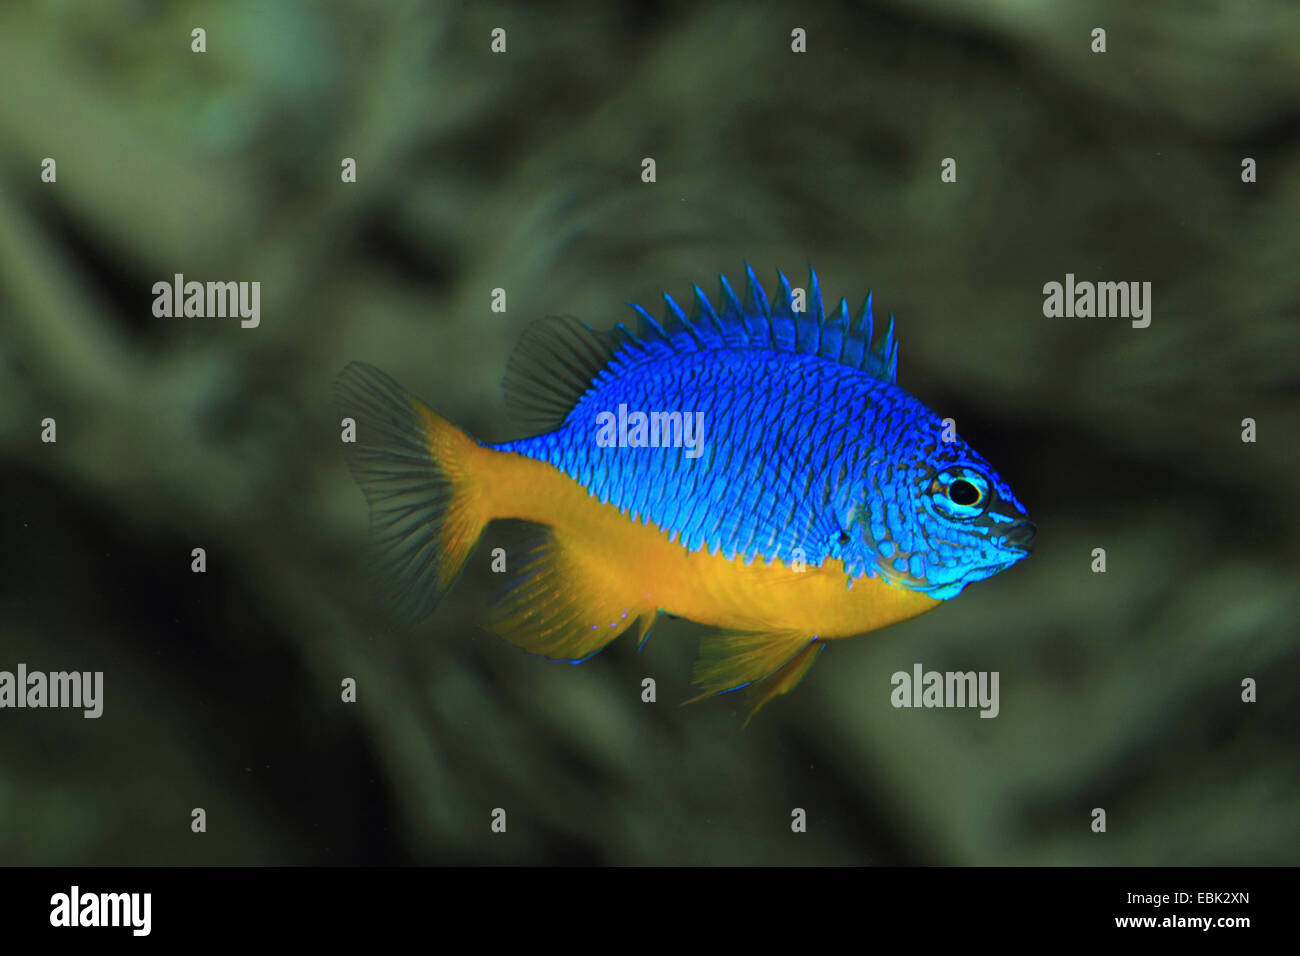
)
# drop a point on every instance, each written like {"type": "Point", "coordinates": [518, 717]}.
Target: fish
{"type": "Point", "coordinates": [753, 467]}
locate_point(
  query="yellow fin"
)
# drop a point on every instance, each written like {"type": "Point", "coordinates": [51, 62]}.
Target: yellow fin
{"type": "Point", "coordinates": [784, 680]}
{"type": "Point", "coordinates": [730, 661]}
{"type": "Point", "coordinates": [558, 609]}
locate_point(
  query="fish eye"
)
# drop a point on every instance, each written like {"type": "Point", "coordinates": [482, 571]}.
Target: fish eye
{"type": "Point", "coordinates": [959, 493]}
{"type": "Point", "coordinates": [962, 492]}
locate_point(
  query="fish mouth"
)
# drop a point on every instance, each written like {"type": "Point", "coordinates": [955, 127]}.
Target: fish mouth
{"type": "Point", "coordinates": [1021, 536]}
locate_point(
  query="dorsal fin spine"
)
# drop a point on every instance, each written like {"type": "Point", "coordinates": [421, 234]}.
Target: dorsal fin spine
{"type": "Point", "coordinates": [675, 310]}
{"type": "Point", "coordinates": [867, 321]}
{"type": "Point", "coordinates": [785, 304]}
{"type": "Point", "coordinates": [560, 359]}
{"type": "Point", "coordinates": [704, 310]}
{"type": "Point", "coordinates": [648, 323]}
{"type": "Point", "coordinates": [785, 330]}
{"type": "Point", "coordinates": [730, 303]}
{"type": "Point", "coordinates": [813, 345]}
{"type": "Point", "coordinates": [892, 344]}
{"type": "Point", "coordinates": [814, 305]}
{"type": "Point", "coordinates": [832, 341]}
{"type": "Point", "coordinates": [674, 317]}
{"type": "Point", "coordinates": [755, 297]}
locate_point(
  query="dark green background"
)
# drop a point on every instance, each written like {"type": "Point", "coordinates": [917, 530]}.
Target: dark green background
{"type": "Point", "coordinates": [522, 171]}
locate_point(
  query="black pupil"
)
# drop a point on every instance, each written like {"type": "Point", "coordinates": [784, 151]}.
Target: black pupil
{"type": "Point", "coordinates": [963, 493]}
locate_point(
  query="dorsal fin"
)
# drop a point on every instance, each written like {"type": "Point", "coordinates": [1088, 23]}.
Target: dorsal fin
{"type": "Point", "coordinates": [559, 358]}
{"type": "Point", "coordinates": [554, 365]}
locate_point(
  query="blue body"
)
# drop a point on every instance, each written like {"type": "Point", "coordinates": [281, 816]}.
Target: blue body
{"type": "Point", "coordinates": [810, 450]}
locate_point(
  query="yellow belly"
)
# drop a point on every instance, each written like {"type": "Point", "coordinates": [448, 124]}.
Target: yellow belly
{"type": "Point", "coordinates": [637, 560]}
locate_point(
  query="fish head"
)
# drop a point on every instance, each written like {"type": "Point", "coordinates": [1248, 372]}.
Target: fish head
{"type": "Point", "coordinates": [940, 517]}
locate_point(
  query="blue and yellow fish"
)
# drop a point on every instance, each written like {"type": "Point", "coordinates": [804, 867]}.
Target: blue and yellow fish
{"type": "Point", "coordinates": [750, 467]}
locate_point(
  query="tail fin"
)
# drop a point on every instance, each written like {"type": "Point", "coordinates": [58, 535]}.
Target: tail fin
{"type": "Point", "coordinates": [412, 466]}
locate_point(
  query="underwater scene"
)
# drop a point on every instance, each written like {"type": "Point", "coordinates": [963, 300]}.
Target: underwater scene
{"type": "Point", "coordinates": [646, 434]}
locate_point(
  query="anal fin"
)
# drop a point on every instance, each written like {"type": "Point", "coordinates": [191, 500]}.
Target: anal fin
{"type": "Point", "coordinates": [560, 607]}
{"type": "Point", "coordinates": [730, 661]}
{"type": "Point", "coordinates": [784, 680]}
{"type": "Point", "coordinates": [769, 663]}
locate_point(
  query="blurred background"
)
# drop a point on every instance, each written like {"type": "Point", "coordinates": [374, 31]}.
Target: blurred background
{"type": "Point", "coordinates": [522, 171]}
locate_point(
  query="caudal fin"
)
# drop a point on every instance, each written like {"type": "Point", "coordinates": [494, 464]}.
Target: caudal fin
{"type": "Point", "coordinates": [414, 468]}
